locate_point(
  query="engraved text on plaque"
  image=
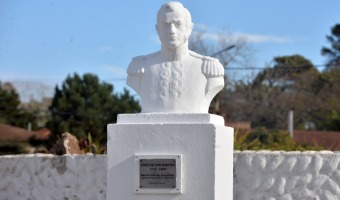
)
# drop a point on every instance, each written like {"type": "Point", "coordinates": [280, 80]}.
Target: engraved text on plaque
{"type": "Point", "coordinates": [157, 173]}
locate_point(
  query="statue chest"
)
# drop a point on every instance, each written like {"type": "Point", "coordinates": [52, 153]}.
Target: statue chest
{"type": "Point", "coordinates": [170, 78]}
{"type": "Point", "coordinates": [172, 84]}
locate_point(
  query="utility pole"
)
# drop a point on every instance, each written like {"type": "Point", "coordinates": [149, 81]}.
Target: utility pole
{"type": "Point", "coordinates": [291, 123]}
{"type": "Point", "coordinates": [223, 50]}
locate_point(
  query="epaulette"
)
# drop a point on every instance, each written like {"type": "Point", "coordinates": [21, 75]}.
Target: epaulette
{"type": "Point", "coordinates": [208, 58]}
{"type": "Point", "coordinates": [211, 67]}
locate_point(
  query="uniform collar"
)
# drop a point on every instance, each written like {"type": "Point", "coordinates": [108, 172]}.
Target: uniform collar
{"type": "Point", "coordinates": [175, 54]}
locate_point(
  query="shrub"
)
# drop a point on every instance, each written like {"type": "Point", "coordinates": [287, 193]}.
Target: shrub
{"type": "Point", "coordinates": [264, 139]}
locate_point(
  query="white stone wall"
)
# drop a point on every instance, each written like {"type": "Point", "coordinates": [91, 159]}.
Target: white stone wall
{"type": "Point", "coordinates": [286, 175]}
{"type": "Point", "coordinates": [257, 175]}
{"type": "Point", "coordinates": [48, 177]}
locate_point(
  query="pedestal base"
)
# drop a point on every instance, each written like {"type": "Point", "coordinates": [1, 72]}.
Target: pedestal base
{"type": "Point", "coordinates": [206, 151]}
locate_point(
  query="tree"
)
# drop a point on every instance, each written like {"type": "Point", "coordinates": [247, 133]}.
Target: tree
{"type": "Point", "coordinates": [333, 53]}
{"type": "Point", "coordinates": [262, 138]}
{"type": "Point", "coordinates": [10, 110]}
{"type": "Point", "coordinates": [39, 109]}
{"type": "Point", "coordinates": [265, 101]}
{"type": "Point", "coordinates": [328, 85]}
{"type": "Point", "coordinates": [126, 103]}
{"type": "Point", "coordinates": [231, 52]}
{"type": "Point", "coordinates": [286, 72]}
{"type": "Point", "coordinates": [291, 83]}
{"type": "Point", "coordinates": [84, 105]}
{"type": "Point", "coordinates": [327, 100]}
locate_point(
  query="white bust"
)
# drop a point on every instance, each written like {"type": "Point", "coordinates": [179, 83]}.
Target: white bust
{"type": "Point", "coordinates": [175, 79]}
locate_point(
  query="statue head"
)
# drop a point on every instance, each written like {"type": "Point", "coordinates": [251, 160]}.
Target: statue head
{"type": "Point", "coordinates": [174, 25]}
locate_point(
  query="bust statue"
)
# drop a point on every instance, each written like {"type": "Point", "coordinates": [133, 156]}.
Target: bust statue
{"type": "Point", "coordinates": [175, 79]}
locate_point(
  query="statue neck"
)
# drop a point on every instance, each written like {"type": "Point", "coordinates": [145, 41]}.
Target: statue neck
{"type": "Point", "coordinates": [177, 54]}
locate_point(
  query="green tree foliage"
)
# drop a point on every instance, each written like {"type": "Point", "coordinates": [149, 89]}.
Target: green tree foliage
{"type": "Point", "coordinates": [39, 109]}
{"type": "Point", "coordinates": [85, 105]}
{"type": "Point", "coordinates": [328, 85]}
{"type": "Point", "coordinates": [327, 99]}
{"type": "Point", "coordinates": [286, 72]}
{"type": "Point", "coordinates": [266, 100]}
{"type": "Point", "coordinates": [10, 110]}
{"type": "Point", "coordinates": [333, 52]}
{"type": "Point", "coordinates": [292, 83]}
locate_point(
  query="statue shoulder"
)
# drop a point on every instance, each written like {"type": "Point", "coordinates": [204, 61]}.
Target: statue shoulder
{"type": "Point", "coordinates": [152, 55]}
{"type": "Point", "coordinates": [142, 58]}
{"type": "Point", "coordinates": [211, 67]}
{"type": "Point", "coordinates": [137, 64]}
{"type": "Point", "coordinates": [203, 58]}
{"type": "Point", "coordinates": [138, 58]}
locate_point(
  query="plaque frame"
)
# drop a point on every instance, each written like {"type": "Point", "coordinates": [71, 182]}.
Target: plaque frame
{"type": "Point", "coordinates": [177, 189]}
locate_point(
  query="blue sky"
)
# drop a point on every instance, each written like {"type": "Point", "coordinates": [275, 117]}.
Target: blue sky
{"type": "Point", "coordinates": [42, 41]}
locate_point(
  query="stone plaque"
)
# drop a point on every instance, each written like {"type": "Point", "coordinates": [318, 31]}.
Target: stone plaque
{"type": "Point", "coordinates": [157, 173]}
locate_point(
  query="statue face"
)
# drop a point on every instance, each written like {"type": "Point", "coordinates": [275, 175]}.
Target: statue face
{"type": "Point", "coordinates": [173, 29]}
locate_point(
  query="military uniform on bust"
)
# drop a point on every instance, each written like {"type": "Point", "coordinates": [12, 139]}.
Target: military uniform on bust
{"type": "Point", "coordinates": [175, 79]}
{"type": "Point", "coordinates": [188, 84]}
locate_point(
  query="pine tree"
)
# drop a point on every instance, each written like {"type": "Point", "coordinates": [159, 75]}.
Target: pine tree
{"type": "Point", "coordinates": [10, 110]}
{"type": "Point", "coordinates": [333, 53]}
{"type": "Point", "coordinates": [85, 105]}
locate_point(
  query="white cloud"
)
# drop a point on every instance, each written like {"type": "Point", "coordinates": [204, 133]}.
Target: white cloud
{"type": "Point", "coordinates": [201, 27]}
{"type": "Point", "coordinates": [256, 38]}
{"type": "Point", "coordinates": [215, 35]}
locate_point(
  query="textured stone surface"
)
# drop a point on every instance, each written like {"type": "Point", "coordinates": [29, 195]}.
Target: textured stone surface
{"type": "Point", "coordinates": [286, 175]}
{"type": "Point", "coordinates": [257, 175]}
{"type": "Point", "coordinates": [41, 177]}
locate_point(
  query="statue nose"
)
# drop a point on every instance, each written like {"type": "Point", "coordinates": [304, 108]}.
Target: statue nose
{"type": "Point", "coordinates": [172, 29]}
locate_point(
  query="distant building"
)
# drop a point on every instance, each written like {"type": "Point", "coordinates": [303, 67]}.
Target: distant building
{"type": "Point", "coordinates": [330, 140]}
{"type": "Point", "coordinates": [239, 125]}
{"type": "Point", "coordinates": [12, 133]}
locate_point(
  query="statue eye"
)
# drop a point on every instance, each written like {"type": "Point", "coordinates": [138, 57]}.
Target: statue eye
{"type": "Point", "coordinates": [179, 24]}
{"type": "Point", "coordinates": [166, 22]}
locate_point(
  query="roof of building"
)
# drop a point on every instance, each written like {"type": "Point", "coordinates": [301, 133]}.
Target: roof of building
{"type": "Point", "coordinates": [330, 140]}
{"type": "Point", "coordinates": [8, 132]}
{"type": "Point", "coordinates": [239, 125]}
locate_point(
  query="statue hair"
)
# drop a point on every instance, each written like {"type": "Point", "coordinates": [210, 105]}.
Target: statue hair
{"type": "Point", "coordinates": [172, 6]}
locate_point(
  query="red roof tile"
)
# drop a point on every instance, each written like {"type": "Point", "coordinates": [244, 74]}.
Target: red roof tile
{"type": "Point", "coordinates": [8, 132]}
{"type": "Point", "coordinates": [330, 140]}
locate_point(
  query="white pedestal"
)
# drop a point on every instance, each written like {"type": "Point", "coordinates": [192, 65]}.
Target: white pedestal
{"type": "Point", "coordinates": [203, 142]}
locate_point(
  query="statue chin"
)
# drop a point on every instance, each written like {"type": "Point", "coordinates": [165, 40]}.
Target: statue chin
{"type": "Point", "coordinates": [173, 45]}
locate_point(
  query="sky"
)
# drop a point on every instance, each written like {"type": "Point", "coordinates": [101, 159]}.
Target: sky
{"type": "Point", "coordinates": [43, 41]}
